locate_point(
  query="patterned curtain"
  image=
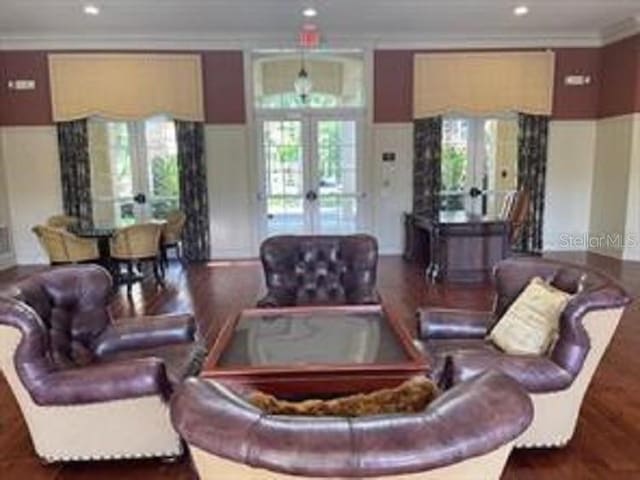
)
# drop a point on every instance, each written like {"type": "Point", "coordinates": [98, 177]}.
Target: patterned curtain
{"type": "Point", "coordinates": [194, 200]}
{"type": "Point", "coordinates": [427, 143]}
{"type": "Point", "coordinates": [532, 168]}
{"type": "Point", "coordinates": [75, 170]}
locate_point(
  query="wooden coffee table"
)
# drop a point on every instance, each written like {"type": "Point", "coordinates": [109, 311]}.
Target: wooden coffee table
{"type": "Point", "coordinates": [319, 351]}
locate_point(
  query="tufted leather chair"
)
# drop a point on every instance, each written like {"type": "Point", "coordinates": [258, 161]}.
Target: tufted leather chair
{"type": "Point", "coordinates": [319, 270]}
{"type": "Point", "coordinates": [460, 435]}
{"type": "Point", "coordinates": [89, 388]}
{"type": "Point", "coordinates": [455, 340]}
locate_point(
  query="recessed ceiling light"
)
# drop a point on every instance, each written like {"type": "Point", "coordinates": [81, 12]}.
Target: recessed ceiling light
{"type": "Point", "coordinates": [521, 10]}
{"type": "Point", "coordinates": [92, 10]}
{"type": "Point", "coordinates": [309, 12]}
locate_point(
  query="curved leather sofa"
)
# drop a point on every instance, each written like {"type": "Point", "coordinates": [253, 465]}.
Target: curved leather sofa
{"type": "Point", "coordinates": [557, 381]}
{"type": "Point", "coordinates": [89, 388]}
{"type": "Point", "coordinates": [319, 270]}
{"type": "Point", "coordinates": [468, 431]}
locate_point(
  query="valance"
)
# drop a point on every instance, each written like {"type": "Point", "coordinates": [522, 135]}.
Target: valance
{"type": "Point", "coordinates": [126, 86]}
{"type": "Point", "coordinates": [482, 83]}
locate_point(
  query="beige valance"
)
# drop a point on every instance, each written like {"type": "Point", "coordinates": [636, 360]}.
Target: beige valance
{"type": "Point", "coordinates": [483, 83]}
{"type": "Point", "coordinates": [126, 86]}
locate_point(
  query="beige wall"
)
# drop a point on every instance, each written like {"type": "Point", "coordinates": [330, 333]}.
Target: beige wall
{"type": "Point", "coordinates": [611, 185]}
{"type": "Point", "coordinates": [391, 189]}
{"type": "Point", "coordinates": [632, 226]}
{"type": "Point", "coordinates": [230, 197]}
{"type": "Point", "coordinates": [33, 181]}
{"type": "Point", "coordinates": [6, 259]}
{"type": "Point", "coordinates": [569, 184]}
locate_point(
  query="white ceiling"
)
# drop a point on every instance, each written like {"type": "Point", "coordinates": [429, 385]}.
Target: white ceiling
{"type": "Point", "coordinates": [377, 20]}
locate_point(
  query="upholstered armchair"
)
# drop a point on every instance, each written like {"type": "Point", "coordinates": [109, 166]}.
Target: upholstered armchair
{"type": "Point", "coordinates": [63, 221]}
{"type": "Point", "coordinates": [467, 434]}
{"type": "Point", "coordinates": [90, 388]}
{"type": "Point", "coordinates": [134, 245]}
{"type": "Point", "coordinates": [319, 270]}
{"type": "Point", "coordinates": [64, 247]}
{"type": "Point", "coordinates": [172, 234]}
{"type": "Point", "coordinates": [455, 340]}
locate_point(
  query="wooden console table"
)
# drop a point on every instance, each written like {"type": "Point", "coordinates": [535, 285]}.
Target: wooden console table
{"type": "Point", "coordinates": [460, 247]}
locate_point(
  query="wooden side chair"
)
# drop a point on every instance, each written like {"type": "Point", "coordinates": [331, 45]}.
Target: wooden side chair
{"type": "Point", "coordinates": [172, 235]}
{"type": "Point", "coordinates": [515, 210]}
{"type": "Point", "coordinates": [133, 246]}
{"type": "Point", "coordinates": [63, 221]}
{"type": "Point", "coordinates": [63, 247]}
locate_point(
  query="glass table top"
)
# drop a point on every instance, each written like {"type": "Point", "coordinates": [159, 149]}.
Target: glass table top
{"type": "Point", "coordinates": [304, 338]}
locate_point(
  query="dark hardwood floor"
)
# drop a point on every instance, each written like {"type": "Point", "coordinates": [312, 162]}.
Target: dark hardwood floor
{"type": "Point", "coordinates": [606, 445]}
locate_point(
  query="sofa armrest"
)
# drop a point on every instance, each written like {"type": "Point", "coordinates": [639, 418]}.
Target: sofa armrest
{"type": "Point", "coordinates": [535, 374]}
{"type": "Point", "coordinates": [440, 323]}
{"type": "Point", "coordinates": [146, 332]}
{"type": "Point", "coordinates": [102, 383]}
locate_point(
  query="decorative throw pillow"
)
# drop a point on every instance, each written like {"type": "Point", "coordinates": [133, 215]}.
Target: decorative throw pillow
{"type": "Point", "coordinates": [412, 396]}
{"type": "Point", "coordinates": [531, 323]}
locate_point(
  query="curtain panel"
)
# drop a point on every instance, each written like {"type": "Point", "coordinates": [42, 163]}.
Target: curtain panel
{"type": "Point", "coordinates": [75, 170]}
{"type": "Point", "coordinates": [533, 132]}
{"type": "Point", "coordinates": [126, 86]}
{"type": "Point", "coordinates": [483, 83]}
{"type": "Point", "coordinates": [426, 166]}
{"type": "Point", "coordinates": [194, 199]}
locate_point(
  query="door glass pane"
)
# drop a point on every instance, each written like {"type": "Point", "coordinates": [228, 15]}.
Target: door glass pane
{"type": "Point", "coordinates": [501, 150]}
{"type": "Point", "coordinates": [162, 167]}
{"type": "Point", "coordinates": [455, 163]}
{"type": "Point", "coordinates": [284, 168]}
{"type": "Point", "coordinates": [337, 176]}
{"type": "Point", "coordinates": [112, 183]}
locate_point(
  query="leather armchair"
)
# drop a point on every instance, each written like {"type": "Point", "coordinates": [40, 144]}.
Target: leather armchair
{"type": "Point", "coordinates": [89, 388]}
{"type": "Point", "coordinates": [319, 270]}
{"type": "Point", "coordinates": [460, 435]}
{"type": "Point", "coordinates": [455, 342]}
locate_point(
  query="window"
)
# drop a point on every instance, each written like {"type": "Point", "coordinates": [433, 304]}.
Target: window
{"type": "Point", "coordinates": [337, 81]}
{"type": "Point", "coordinates": [134, 170]}
{"type": "Point", "coordinates": [479, 163]}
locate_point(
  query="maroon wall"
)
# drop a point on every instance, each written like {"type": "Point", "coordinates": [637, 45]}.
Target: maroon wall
{"type": "Point", "coordinates": [620, 93]}
{"type": "Point", "coordinates": [29, 107]}
{"type": "Point", "coordinates": [574, 103]}
{"type": "Point", "coordinates": [393, 86]}
{"type": "Point", "coordinates": [224, 87]}
{"type": "Point", "coordinates": [223, 73]}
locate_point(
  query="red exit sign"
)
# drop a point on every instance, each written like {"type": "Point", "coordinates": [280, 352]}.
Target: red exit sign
{"type": "Point", "coordinates": [309, 36]}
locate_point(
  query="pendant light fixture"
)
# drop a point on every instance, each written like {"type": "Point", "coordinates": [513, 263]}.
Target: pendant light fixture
{"type": "Point", "coordinates": [303, 84]}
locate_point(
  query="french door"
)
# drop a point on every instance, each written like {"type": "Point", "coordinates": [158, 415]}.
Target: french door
{"type": "Point", "coordinates": [310, 178]}
{"type": "Point", "coordinates": [134, 170]}
{"type": "Point", "coordinates": [479, 163]}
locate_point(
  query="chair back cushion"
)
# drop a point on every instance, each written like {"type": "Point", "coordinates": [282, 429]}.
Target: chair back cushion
{"type": "Point", "coordinates": [137, 241]}
{"type": "Point", "coordinates": [320, 270]}
{"type": "Point", "coordinates": [172, 230]}
{"type": "Point", "coordinates": [60, 313]}
{"type": "Point", "coordinates": [52, 241]}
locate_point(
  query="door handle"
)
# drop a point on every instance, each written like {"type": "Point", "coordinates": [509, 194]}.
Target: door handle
{"type": "Point", "coordinates": [311, 196]}
{"type": "Point", "coordinates": [140, 198]}
{"type": "Point", "coordinates": [475, 192]}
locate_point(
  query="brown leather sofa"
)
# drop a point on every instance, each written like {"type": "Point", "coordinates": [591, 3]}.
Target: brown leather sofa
{"type": "Point", "coordinates": [319, 270]}
{"type": "Point", "coordinates": [467, 434]}
{"type": "Point", "coordinates": [89, 388]}
{"type": "Point", "coordinates": [456, 344]}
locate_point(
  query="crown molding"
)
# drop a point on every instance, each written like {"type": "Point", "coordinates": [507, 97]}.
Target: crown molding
{"type": "Point", "coordinates": [621, 30]}
{"type": "Point", "coordinates": [278, 41]}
